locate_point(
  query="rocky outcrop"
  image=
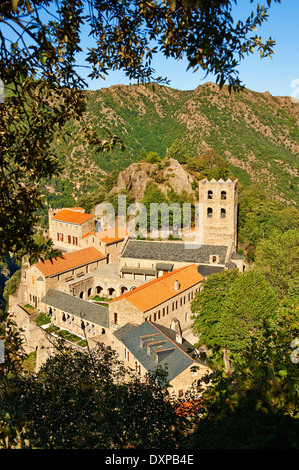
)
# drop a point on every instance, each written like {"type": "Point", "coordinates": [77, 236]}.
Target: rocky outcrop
{"type": "Point", "coordinates": [166, 175]}
{"type": "Point", "coordinates": [136, 177]}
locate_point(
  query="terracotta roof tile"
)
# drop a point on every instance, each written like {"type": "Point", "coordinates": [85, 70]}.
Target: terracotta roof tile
{"type": "Point", "coordinates": [161, 289]}
{"type": "Point", "coordinates": [72, 216]}
{"type": "Point", "coordinates": [110, 235]}
{"type": "Point", "coordinates": [69, 261]}
{"type": "Point", "coordinates": [113, 234]}
{"type": "Point", "coordinates": [89, 234]}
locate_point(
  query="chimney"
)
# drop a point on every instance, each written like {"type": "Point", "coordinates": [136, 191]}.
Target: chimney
{"type": "Point", "coordinates": [179, 337]}
{"type": "Point", "coordinates": [178, 331]}
{"type": "Point", "coordinates": [177, 285]}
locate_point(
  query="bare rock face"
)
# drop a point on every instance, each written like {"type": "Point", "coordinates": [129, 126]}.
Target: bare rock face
{"type": "Point", "coordinates": [136, 177]}
{"type": "Point", "coordinates": [177, 178]}
{"type": "Point", "coordinates": [169, 174]}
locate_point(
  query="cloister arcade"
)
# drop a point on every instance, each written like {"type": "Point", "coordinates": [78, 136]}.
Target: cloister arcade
{"type": "Point", "coordinates": [104, 288]}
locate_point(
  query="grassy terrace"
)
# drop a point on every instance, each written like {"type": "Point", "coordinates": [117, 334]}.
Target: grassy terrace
{"type": "Point", "coordinates": [66, 335]}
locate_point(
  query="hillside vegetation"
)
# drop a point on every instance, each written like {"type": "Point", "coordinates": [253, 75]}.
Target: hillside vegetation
{"type": "Point", "coordinates": [255, 133]}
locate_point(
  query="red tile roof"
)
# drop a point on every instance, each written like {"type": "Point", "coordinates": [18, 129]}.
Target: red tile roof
{"type": "Point", "coordinates": [113, 234]}
{"type": "Point", "coordinates": [161, 289]}
{"type": "Point", "coordinates": [69, 261]}
{"type": "Point", "coordinates": [110, 235]}
{"type": "Point", "coordinates": [89, 234]}
{"type": "Point", "coordinates": [72, 216]}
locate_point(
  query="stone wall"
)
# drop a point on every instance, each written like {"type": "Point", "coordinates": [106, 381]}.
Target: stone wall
{"type": "Point", "coordinates": [70, 235]}
{"type": "Point", "coordinates": [147, 264]}
{"type": "Point", "coordinates": [35, 285]}
{"type": "Point", "coordinates": [122, 312]}
{"type": "Point", "coordinates": [96, 284]}
{"type": "Point", "coordinates": [219, 200]}
{"type": "Point", "coordinates": [187, 378]}
{"type": "Point", "coordinates": [75, 324]}
{"type": "Point", "coordinates": [34, 338]}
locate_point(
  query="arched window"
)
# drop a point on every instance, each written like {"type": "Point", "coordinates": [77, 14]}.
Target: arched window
{"type": "Point", "coordinates": [210, 212]}
{"type": "Point", "coordinates": [99, 289]}
{"type": "Point", "coordinates": [214, 259]}
{"type": "Point", "coordinates": [223, 194]}
{"type": "Point", "coordinates": [210, 194]}
{"type": "Point", "coordinates": [111, 291]}
{"type": "Point", "coordinates": [223, 213]}
{"type": "Point", "coordinates": [89, 292]}
{"type": "Point", "coordinates": [81, 295]}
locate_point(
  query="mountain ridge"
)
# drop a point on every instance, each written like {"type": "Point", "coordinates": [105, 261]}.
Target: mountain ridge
{"type": "Point", "coordinates": [256, 133]}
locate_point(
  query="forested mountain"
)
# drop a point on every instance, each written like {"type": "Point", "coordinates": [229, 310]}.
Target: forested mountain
{"type": "Point", "coordinates": [255, 133]}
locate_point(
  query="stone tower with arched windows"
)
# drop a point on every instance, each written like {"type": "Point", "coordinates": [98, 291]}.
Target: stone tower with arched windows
{"type": "Point", "coordinates": [218, 206]}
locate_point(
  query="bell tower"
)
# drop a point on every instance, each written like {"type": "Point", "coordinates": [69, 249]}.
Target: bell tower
{"type": "Point", "coordinates": [218, 203]}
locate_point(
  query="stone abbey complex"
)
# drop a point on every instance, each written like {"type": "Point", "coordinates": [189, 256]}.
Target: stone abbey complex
{"type": "Point", "coordinates": [131, 294]}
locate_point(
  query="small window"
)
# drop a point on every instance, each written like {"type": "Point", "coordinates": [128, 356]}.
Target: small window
{"type": "Point", "coordinates": [214, 259]}
{"type": "Point", "coordinates": [210, 194]}
{"type": "Point", "coordinates": [223, 195]}
{"type": "Point", "coordinates": [210, 212]}
{"type": "Point", "coordinates": [223, 213]}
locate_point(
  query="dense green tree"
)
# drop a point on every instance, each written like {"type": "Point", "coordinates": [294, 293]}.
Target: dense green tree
{"type": "Point", "coordinates": [209, 165]}
{"type": "Point", "coordinates": [233, 311]}
{"type": "Point", "coordinates": [257, 406]}
{"type": "Point", "coordinates": [85, 401]}
{"type": "Point", "coordinates": [90, 200]}
{"type": "Point", "coordinates": [40, 40]}
{"type": "Point", "coordinates": [178, 152]}
{"type": "Point", "coordinates": [278, 258]}
{"type": "Point", "coordinates": [207, 309]}
{"type": "Point", "coordinates": [260, 216]}
{"type": "Point", "coordinates": [110, 180]}
{"type": "Point", "coordinates": [153, 157]}
{"type": "Point", "coordinates": [250, 312]}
